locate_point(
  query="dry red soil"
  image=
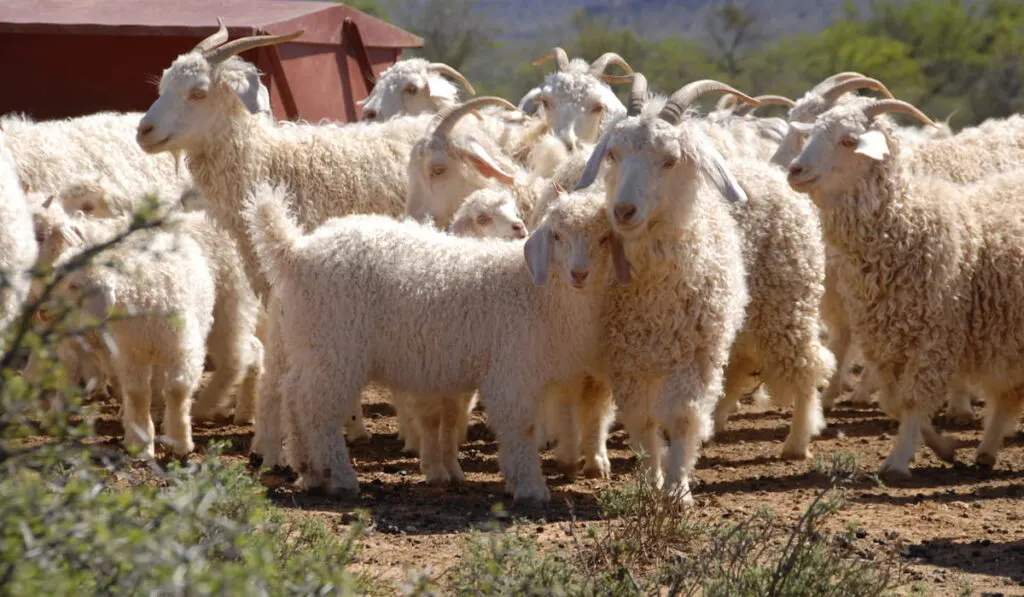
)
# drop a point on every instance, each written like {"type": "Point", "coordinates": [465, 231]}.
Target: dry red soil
{"type": "Point", "coordinates": [954, 526]}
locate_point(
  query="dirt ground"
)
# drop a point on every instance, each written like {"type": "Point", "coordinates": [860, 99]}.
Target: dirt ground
{"type": "Point", "coordinates": [954, 526]}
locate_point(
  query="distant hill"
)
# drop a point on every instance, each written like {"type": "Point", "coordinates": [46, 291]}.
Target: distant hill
{"type": "Point", "coordinates": [523, 19]}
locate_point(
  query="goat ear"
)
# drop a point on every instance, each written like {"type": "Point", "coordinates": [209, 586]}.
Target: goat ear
{"type": "Point", "coordinates": [593, 164]}
{"type": "Point", "coordinates": [253, 93]}
{"type": "Point", "coordinates": [873, 145]}
{"type": "Point", "coordinates": [803, 128]}
{"type": "Point", "coordinates": [623, 269]}
{"type": "Point", "coordinates": [486, 165]}
{"type": "Point", "coordinates": [98, 301]}
{"type": "Point", "coordinates": [718, 173]}
{"type": "Point", "coordinates": [529, 102]}
{"type": "Point", "coordinates": [460, 226]}
{"type": "Point", "coordinates": [537, 251]}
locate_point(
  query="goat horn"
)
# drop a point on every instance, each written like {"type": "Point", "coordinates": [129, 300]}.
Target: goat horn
{"type": "Point", "coordinates": [214, 40]}
{"type": "Point", "coordinates": [598, 66]}
{"type": "Point", "coordinates": [830, 81]}
{"type": "Point", "coordinates": [765, 100]}
{"type": "Point", "coordinates": [899, 106]}
{"type": "Point", "coordinates": [837, 90]}
{"type": "Point", "coordinates": [446, 120]}
{"type": "Point", "coordinates": [561, 59]}
{"type": "Point", "coordinates": [687, 94]}
{"type": "Point", "coordinates": [617, 78]}
{"type": "Point", "coordinates": [444, 69]}
{"type": "Point", "coordinates": [243, 44]}
{"type": "Point", "coordinates": [637, 95]}
{"type": "Point", "coordinates": [726, 102]}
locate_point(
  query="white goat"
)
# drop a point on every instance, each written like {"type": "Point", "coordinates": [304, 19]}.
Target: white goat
{"type": "Point", "coordinates": [574, 99]}
{"type": "Point", "coordinates": [923, 272]}
{"type": "Point", "coordinates": [413, 86]}
{"type": "Point", "coordinates": [160, 274]}
{"type": "Point", "coordinates": [333, 170]}
{"type": "Point", "coordinates": [668, 335]}
{"type": "Point", "coordinates": [783, 253]}
{"type": "Point", "coordinates": [18, 250]}
{"type": "Point", "coordinates": [513, 337]}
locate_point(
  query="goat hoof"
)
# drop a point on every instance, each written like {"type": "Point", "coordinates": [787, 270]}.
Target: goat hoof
{"type": "Point", "coordinates": [599, 468]}
{"type": "Point", "coordinates": [795, 451]}
{"type": "Point", "coordinates": [985, 460]}
{"type": "Point", "coordinates": [892, 472]}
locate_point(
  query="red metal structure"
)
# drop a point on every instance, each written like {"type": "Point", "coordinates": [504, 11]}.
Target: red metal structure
{"type": "Point", "coordinates": [63, 58]}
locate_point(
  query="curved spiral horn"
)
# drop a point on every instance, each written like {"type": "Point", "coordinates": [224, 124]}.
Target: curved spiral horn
{"type": "Point", "coordinates": [214, 40]}
{"type": "Point", "coordinates": [444, 69]}
{"type": "Point", "coordinates": [598, 66]}
{"type": "Point", "coordinates": [561, 59]}
{"type": "Point", "coordinates": [679, 101]}
{"type": "Point", "coordinates": [243, 44]}
{"type": "Point", "coordinates": [637, 95]}
{"type": "Point", "coordinates": [765, 100]}
{"type": "Point", "coordinates": [897, 106]}
{"type": "Point", "coordinates": [446, 120]}
{"type": "Point", "coordinates": [853, 84]}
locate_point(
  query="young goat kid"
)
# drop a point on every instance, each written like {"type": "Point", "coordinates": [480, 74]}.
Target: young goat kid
{"type": "Point", "coordinates": [435, 316]}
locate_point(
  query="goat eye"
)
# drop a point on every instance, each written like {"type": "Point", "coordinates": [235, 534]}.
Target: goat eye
{"type": "Point", "coordinates": [604, 239]}
{"type": "Point", "coordinates": [197, 94]}
{"type": "Point", "coordinates": [40, 237]}
{"type": "Point", "coordinates": [369, 114]}
{"type": "Point", "coordinates": [483, 219]}
{"type": "Point", "coordinates": [87, 208]}
{"type": "Point", "coordinates": [669, 163]}
{"type": "Point", "coordinates": [73, 287]}
{"type": "Point", "coordinates": [848, 141]}
{"type": "Point", "coordinates": [597, 109]}
{"type": "Point", "coordinates": [411, 89]}
{"type": "Point", "coordinates": [437, 170]}
{"type": "Point", "coordinates": [555, 236]}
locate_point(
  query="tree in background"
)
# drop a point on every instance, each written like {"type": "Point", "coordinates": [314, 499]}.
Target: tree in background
{"type": "Point", "coordinates": [962, 57]}
{"type": "Point", "coordinates": [453, 31]}
{"type": "Point", "coordinates": [732, 28]}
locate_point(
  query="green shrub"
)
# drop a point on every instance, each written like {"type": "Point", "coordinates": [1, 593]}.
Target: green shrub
{"type": "Point", "coordinates": [79, 518]}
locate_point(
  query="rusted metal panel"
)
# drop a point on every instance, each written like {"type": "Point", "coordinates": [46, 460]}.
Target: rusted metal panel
{"type": "Point", "coordinates": [71, 57]}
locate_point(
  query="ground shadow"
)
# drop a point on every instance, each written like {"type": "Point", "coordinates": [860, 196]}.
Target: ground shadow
{"type": "Point", "coordinates": [981, 556]}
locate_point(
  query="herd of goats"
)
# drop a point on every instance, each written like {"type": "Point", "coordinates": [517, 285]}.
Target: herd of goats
{"type": "Point", "coordinates": [568, 262]}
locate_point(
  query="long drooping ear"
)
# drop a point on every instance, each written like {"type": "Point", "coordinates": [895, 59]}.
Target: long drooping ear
{"type": "Point", "coordinates": [537, 251]}
{"type": "Point", "coordinates": [716, 170]}
{"type": "Point", "coordinates": [460, 227]}
{"type": "Point", "coordinates": [529, 102]}
{"type": "Point", "coordinates": [252, 92]}
{"type": "Point", "coordinates": [621, 265]}
{"type": "Point", "coordinates": [486, 165]}
{"type": "Point", "coordinates": [593, 164]}
{"type": "Point", "coordinates": [873, 145]}
{"type": "Point", "coordinates": [804, 128]}
{"type": "Point", "coordinates": [97, 301]}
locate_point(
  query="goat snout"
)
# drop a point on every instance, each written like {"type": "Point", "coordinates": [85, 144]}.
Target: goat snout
{"type": "Point", "coordinates": [579, 276]}
{"type": "Point", "coordinates": [519, 230]}
{"type": "Point", "coordinates": [144, 129]}
{"type": "Point", "coordinates": [624, 213]}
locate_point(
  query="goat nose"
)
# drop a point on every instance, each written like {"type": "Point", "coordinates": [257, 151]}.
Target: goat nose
{"type": "Point", "coordinates": [796, 170]}
{"type": "Point", "coordinates": [579, 276]}
{"type": "Point", "coordinates": [624, 213]}
{"type": "Point", "coordinates": [145, 129]}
